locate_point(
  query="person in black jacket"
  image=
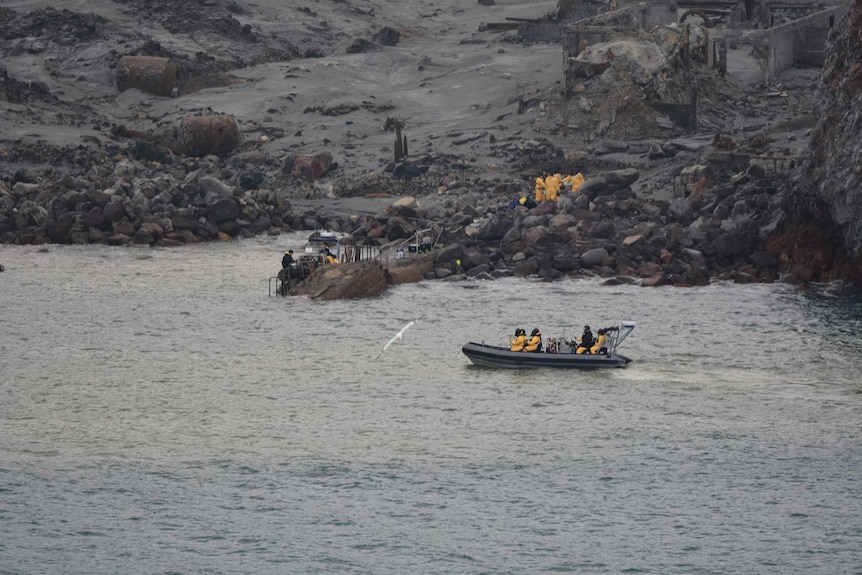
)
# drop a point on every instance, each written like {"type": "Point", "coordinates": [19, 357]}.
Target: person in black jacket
{"type": "Point", "coordinates": [587, 341]}
{"type": "Point", "coordinates": [287, 259]}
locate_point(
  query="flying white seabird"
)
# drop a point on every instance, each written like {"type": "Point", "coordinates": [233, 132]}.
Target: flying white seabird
{"type": "Point", "coordinates": [399, 335]}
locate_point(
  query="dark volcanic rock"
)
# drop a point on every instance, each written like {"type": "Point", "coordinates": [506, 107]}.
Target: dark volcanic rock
{"type": "Point", "coordinates": [824, 230]}
{"type": "Point", "coordinates": [222, 210]}
{"type": "Point", "coordinates": [387, 36]}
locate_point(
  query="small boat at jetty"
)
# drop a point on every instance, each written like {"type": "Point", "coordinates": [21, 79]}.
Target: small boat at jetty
{"type": "Point", "coordinates": [322, 248]}
{"type": "Point", "coordinates": [558, 353]}
{"type": "Point", "coordinates": [315, 254]}
{"type": "Point", "coordinates": [320, 239]}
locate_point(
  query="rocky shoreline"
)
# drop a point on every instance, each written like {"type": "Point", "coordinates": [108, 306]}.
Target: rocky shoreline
{"type": "Point", "coordinates": [671, 205]}
{"type": "Point", "coordinates": [603, 229]}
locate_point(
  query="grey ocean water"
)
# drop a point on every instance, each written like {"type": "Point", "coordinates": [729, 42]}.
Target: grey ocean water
{"type": "Point", "coordinates": [159, 413]}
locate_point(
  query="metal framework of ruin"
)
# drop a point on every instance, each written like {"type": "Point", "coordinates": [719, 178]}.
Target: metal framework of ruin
{"type": "Point", "coordinates": [782, 33]}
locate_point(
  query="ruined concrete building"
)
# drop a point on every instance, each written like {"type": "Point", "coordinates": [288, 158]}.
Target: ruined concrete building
{"type": "Point", "coordinates": [782, 33]}
{"type": "Point", "coordinates": [654, 48]}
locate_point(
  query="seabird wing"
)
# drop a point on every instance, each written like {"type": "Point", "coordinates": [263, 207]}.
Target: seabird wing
{"type": "Point", "coordinates": [398, 335]}
{"type": "Point", "coordinates": [388, 343]}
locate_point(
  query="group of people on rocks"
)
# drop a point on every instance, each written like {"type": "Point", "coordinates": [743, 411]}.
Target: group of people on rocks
{"type": "Point", "coordinates": [548, 188]}
{"type": "Point", "coordinates": [585, 344]}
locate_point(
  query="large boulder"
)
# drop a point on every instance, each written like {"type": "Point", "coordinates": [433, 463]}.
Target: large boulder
{"type": "Point", "coordinates": [495, 228]}
{"type": "Point", "coordinates": [622, 178]}
{"type": "Point", "coordinates": [405, 207]}
{"type": "Point", "coordinates": [114, 210]}
{"type": "Point", "coordinates": [448, 254]}
{"type": "Point", "coordinates": [409, 270]}
{"type": "Point", "coordinates": [312, 168]}
{"type": "Point", "coordinates": [387, 36]}
{"type": "Point", "coordinates": [595, 257]}
{"type": "Point", "coordinates": [223, 210]}
{"type": "Point", "coordinates": [473, 258]}
{"type": "Point", "coordinates": [213, 189]}
{"type": "Point", "coordinates": [344, 281]}
{"type": "Point", "coordinates": [594, 186]}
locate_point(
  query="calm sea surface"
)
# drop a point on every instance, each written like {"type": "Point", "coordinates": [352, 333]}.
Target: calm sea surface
{"type": "Point", "coordinates": [160, 413]}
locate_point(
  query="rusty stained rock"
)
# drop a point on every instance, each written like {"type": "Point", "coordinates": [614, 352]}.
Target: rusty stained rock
{"type": "Point", "coordinates": [344, 281]}
{"type": "Point", "coordinates": [310, 167]}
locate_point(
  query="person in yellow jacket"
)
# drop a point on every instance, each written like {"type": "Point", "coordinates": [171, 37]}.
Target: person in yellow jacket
{"type": "Point", "coordinates": [520, 340]}
{"type": "Point", "coordinates": [552, 187]}
{"type": "Point", "coordinates": [540, 189]}
{"type": "Point", "coordinates": [601, 338]}
{"type": "Point", "coordinates": [535, 343]}
{"type": "Point", "coordinates": [330, 257]}
{"type": "Point", "coordinates": [577, 181]}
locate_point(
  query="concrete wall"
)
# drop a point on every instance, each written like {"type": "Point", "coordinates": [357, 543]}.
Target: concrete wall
{"type": "Point", "coordinates": [812, 45]}
{"type": "Point", "coordinates": [802, 40]}
{"type": "Point", "coordinates": [657, 13]}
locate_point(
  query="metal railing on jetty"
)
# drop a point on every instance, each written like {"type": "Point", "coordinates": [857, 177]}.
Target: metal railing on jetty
{"type": "Point", "coordinates": [278, 286]}
{"type": "Point", "coordinates": [353, 253]}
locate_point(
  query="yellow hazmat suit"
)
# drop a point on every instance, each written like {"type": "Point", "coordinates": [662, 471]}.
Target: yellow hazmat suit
{"type": "Point", "coordinates": [535, 341]}
{"type": "Point", "coordinates": [330, 257]}
{"type": "Point", "coordinates": [540, 189]}
{"type": "Point", "coordinates": [577, 181]}
{"type": "Point", "coordinates": [600, 342]}
{"type": "Point", "coordinates": [552, 187]}
{"type": "Point", "coordinates": [519, 342]}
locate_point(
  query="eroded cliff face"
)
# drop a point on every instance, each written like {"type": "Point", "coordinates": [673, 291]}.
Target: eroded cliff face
{"type": "Point", "coordinates": [825, 201]}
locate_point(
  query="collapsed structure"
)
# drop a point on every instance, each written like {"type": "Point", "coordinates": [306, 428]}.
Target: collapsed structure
{"type": "Point", "coordinates": [782, 33]}
{"type": "Point", "coordinates": [658, 47]}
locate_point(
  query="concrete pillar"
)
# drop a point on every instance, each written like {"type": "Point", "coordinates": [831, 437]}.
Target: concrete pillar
{"type": "Point", "coordinates": [722, 56]}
